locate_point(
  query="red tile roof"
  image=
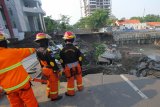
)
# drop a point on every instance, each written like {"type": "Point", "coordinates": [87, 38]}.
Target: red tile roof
{"type": "Point", "coordinates": [153, 23]}
{"type": "Point", "coordinates": [122, 22]}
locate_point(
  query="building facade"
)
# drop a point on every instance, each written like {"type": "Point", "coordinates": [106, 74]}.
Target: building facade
{"type": "Point", "coordinates": [26, 15]}
{"type": "Point", "coordinates": [19, 16]}
{"type": "Point", "coordinates": [91, 5]}
{"type": "Point", "coordinates": [5, 24]}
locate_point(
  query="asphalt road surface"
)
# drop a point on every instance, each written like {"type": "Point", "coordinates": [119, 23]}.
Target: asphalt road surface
{"type": "Point", "coordinates": [105, 91]}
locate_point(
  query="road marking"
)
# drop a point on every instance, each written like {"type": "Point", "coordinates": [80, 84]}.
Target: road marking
{"type": "Point", "coordinates": [134, 87]}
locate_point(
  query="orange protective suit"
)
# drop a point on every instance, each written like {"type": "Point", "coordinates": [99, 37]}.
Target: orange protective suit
{"type": "Point", "coordinates": [74, 73]}
{"type": "Point", "coordinates": [71, 62]}
{"type": "Point", "coordinates": [50, 70]}
{"type": "Point", "coordinates": [52, 83]}
{"type": "Point", "coordinates": [14, 79]}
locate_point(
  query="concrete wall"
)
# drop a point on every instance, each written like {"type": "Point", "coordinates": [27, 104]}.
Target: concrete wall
{"type": "Point", "coordinates": [146, 37]}
{"type": "Point", "coordinates": [134, 26]}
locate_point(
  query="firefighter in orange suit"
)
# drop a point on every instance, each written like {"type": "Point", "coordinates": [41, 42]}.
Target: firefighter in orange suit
{"type": "Point", "coordinates": [71, 62]}
{"type": "Point", "coordinates": [49, 67]}
{"type": "Point", "coordinates": [14, 80]}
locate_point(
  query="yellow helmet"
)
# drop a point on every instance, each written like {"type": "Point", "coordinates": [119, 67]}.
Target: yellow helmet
{"type": "Point", "coordinates": [40, 36]}
{"type": "Point", "coordinates": [2, 37]}
{"type": "Point", "coordinates": [69, 35]}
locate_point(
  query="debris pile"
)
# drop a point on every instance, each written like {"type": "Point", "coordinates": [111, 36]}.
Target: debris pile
{"type": "Point", "coordinates": [110, 54]}
{"type": "Point", "coordinates": [99, 56]}
{"type": "Point", "coordinates": [148, 65]}
{"type": "Point", "coordinates": [129, 61]}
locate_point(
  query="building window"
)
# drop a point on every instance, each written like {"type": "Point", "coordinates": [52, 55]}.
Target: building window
{"type": "Point", "coordinates": [10, 11]}
{"type": "Point", "coordinates": [92, 2]}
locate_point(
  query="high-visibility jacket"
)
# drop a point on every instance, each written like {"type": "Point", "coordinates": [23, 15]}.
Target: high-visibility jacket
{"type": "Point", "coordinates": [13, 76]}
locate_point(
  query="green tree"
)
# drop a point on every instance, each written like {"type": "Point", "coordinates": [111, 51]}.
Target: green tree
{"type": "Point", "coordinates": [51, 24]}
{"type": "Point", "coordinates": [148, 18]}
{"type": "Point", "coordinates": [152, 18]}
{"type": "Point", "coordinates": [111, 21]}
{"type": "Point", "coordinates": [64, 23]}
{"type": "Point", "coordinates": [99, 49]}
{"type": "Point", "coordinates": [98, 19]}
{"type": "Point", "coordinates": [60, 25]}
{"type": "Point", "coordinates": [82, 23]}
{"type": "Point", "coordinates": [138, 18]}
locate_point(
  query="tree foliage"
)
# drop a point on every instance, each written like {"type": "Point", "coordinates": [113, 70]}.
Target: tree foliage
{"type": "Point", "coordinates": [152, 18]}
{"type": "Point", "coordinates": [148, 18]}
{"type": "Point", "coordinates": [57, 25]}
{"type": "Point", "coordinates": [50, 24]}
{"type": "Point", "coordinates": [82, 23]}
{"type": "Point", "coordinates": [96, 20]}
{"type": "Point", "coordinates": [138, 18]}
{"type": "Point", "coordinates": [99, 49]}
{"type": "Point", "coordinates": [64, 23]}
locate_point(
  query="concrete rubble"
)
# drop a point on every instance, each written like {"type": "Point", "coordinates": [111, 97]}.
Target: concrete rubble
{"type": "Point", "coordinates": [148, 65]}
{"type": "Point", "coordinates": [110, 54]}
{"type": "Point", "coordinates": [95, 58]}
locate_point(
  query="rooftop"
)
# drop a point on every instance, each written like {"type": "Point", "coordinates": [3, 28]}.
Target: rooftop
{"type": "Point", "coordinates": [126, 21]}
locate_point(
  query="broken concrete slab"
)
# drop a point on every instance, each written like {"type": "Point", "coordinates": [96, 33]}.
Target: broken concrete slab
{"type": "Point", "coordinates": [30, 62]}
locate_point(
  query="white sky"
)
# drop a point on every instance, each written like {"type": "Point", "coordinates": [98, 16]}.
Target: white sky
{"type": "Point", "coordinates": [64, 7]}
{"type": "Point", "coordinates": [120, 8]}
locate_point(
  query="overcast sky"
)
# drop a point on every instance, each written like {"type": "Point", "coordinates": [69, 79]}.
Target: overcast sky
{"type": "Point", "coordinates": [120, 8]}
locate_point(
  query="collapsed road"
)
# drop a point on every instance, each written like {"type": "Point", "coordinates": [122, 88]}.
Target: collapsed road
{"type": "Point", "coordinates": [108, 83]}
{"type": "Point", "coordinates": [101, 90]}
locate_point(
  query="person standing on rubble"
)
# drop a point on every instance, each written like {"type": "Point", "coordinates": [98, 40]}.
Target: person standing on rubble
{"type": "Point", "coordinates": [14, 79]}
{"type": "Point", "coordinates": [49, 67]}
{"type": "Point", "coordinates": [71, 61]}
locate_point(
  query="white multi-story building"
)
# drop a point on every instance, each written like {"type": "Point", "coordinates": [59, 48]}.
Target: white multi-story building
{"type": "Point", "coordinates": [91, 5]}
{"type": "Point", "coordinates": [26, 15]}
{"type": "Point", "coordinates": [20, 16]}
